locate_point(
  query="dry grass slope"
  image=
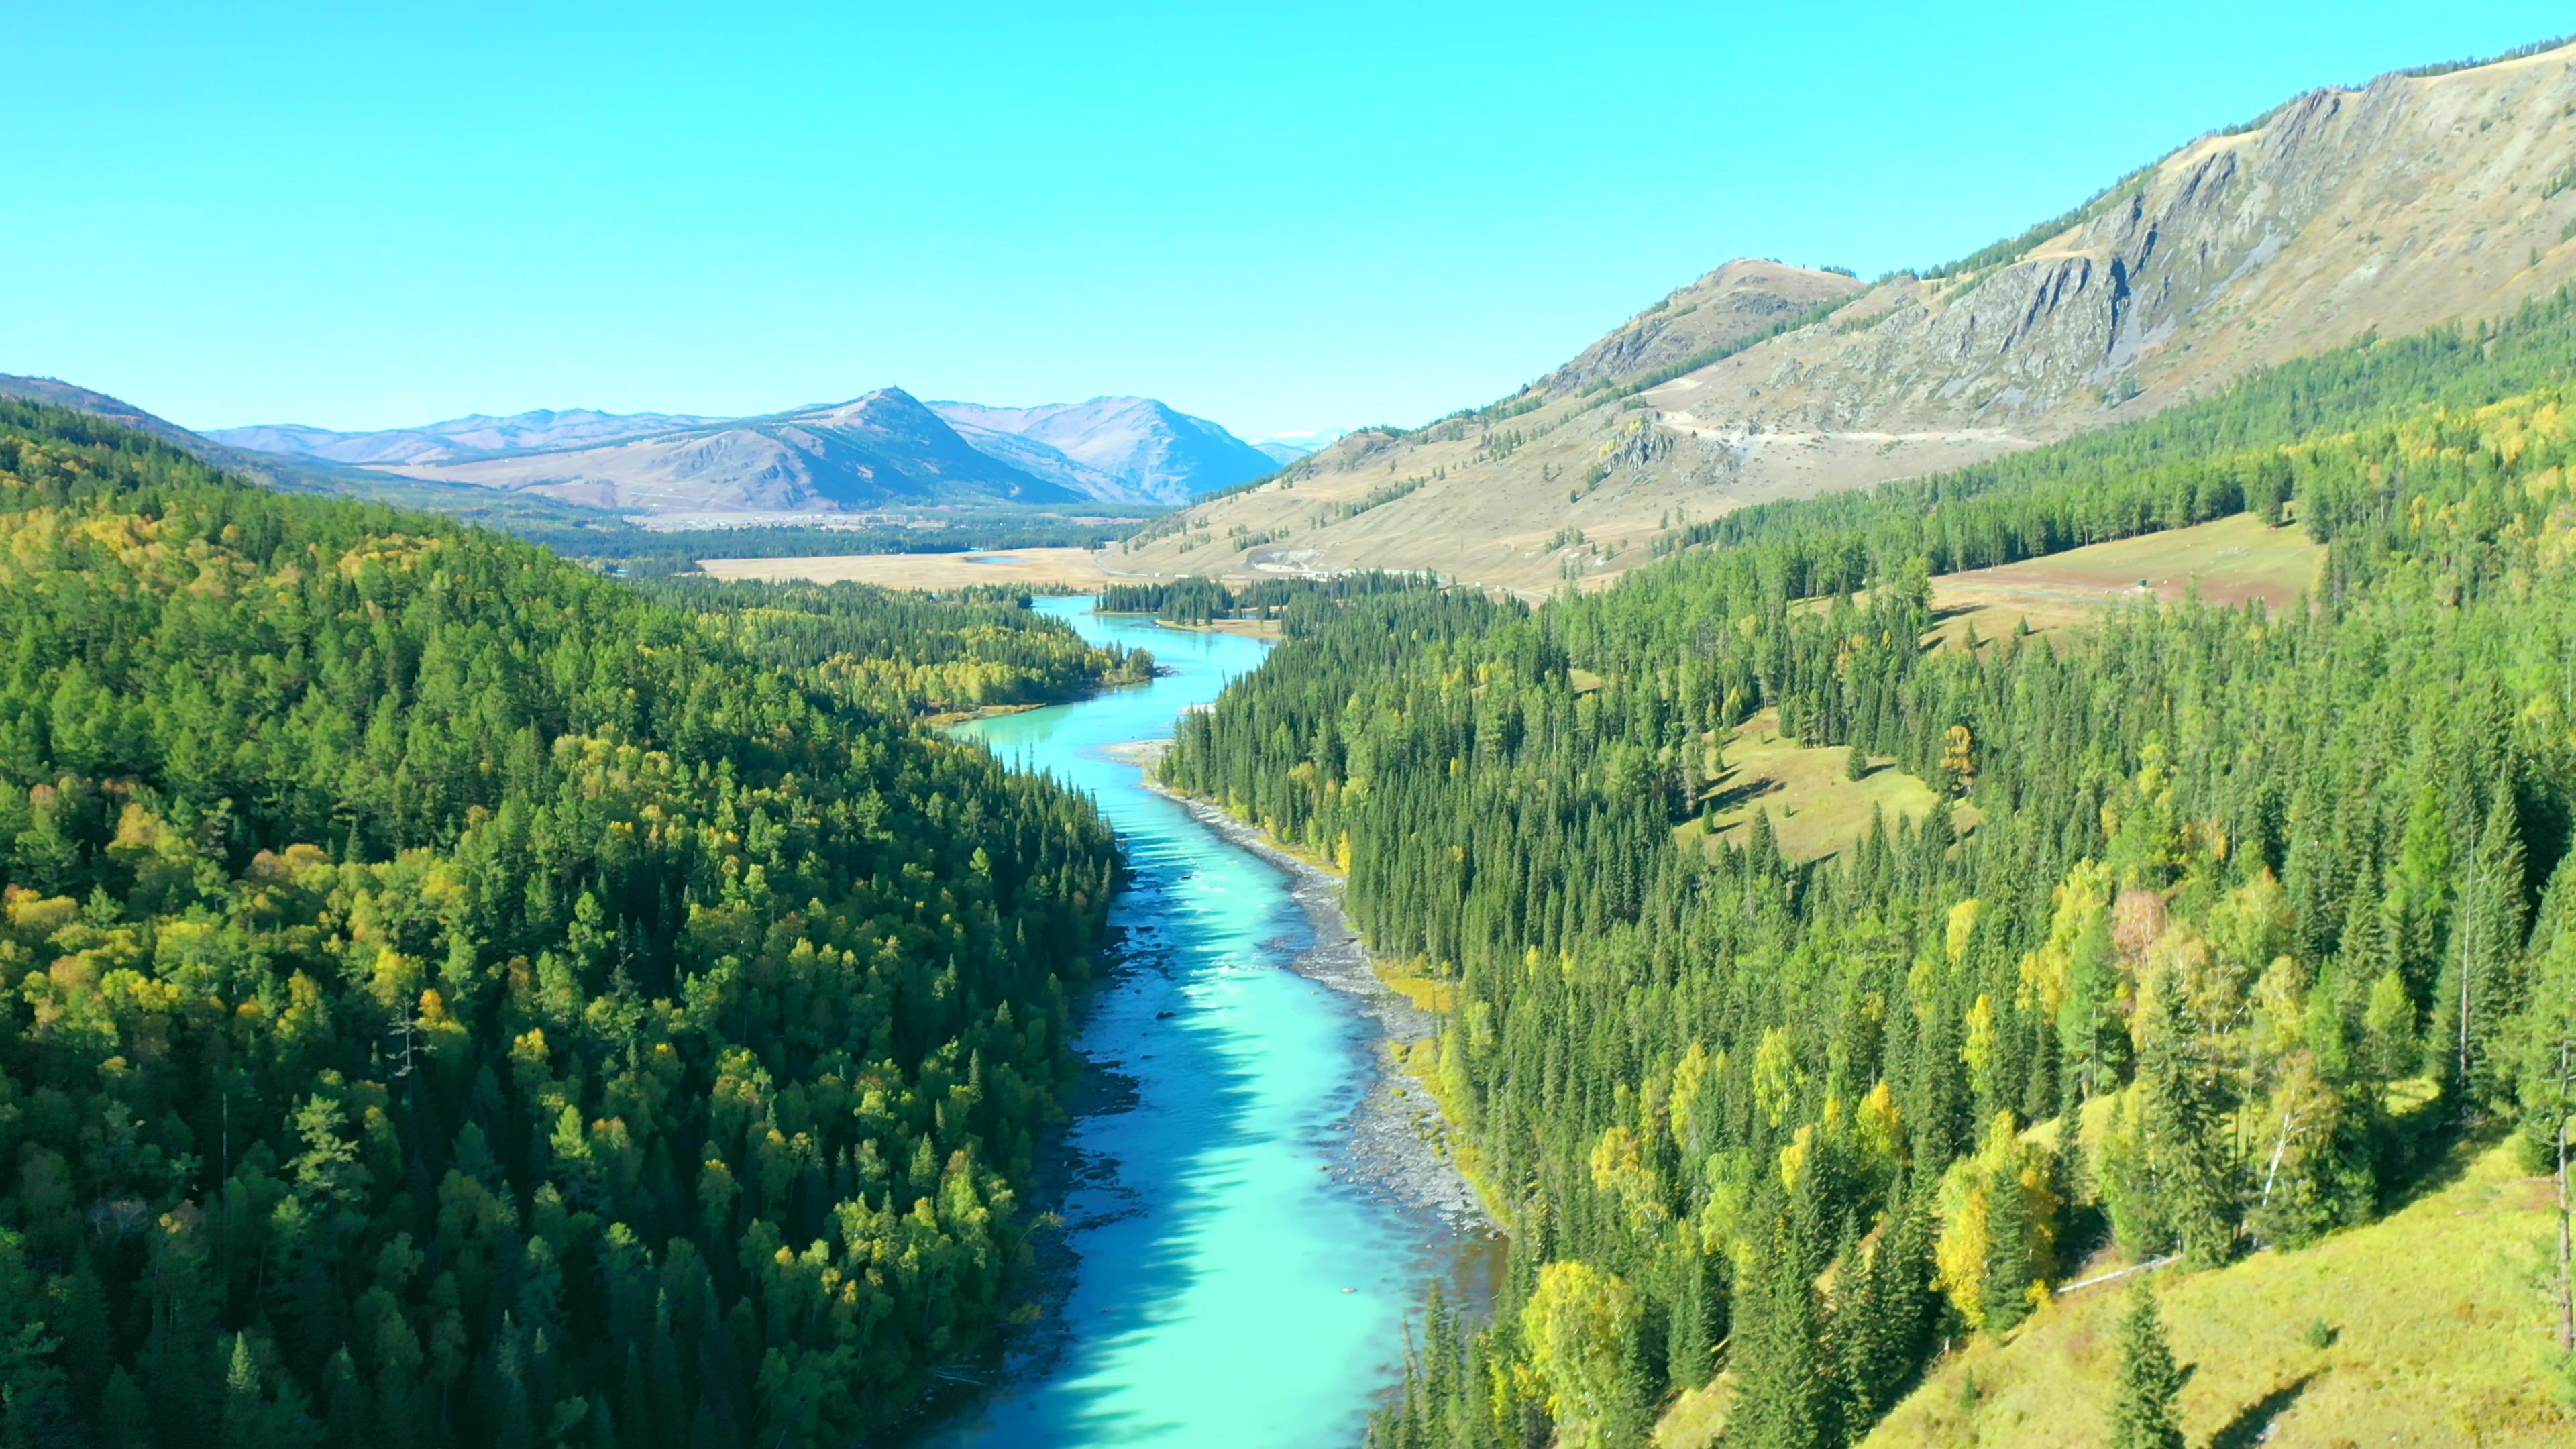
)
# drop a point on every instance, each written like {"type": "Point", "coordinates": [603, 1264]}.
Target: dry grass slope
{"type": "Point", "coordinates": [2228, 561]}
{"type": "Point", "coordinates": [2437, 1327]}
{"type": "Point", "coordinates": [1815, 810]}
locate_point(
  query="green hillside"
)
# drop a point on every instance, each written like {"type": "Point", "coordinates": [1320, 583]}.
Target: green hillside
{"type": "Point", "coordinates": [2413, 1330]}
{"type": "Point", "coordinates": [455, 999]}
{"type": "Point", "coordinates": [2233, 876]}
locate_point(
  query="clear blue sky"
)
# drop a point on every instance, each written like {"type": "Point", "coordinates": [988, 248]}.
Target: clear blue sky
{"type": "Point", "coordinates": [1281, 217]}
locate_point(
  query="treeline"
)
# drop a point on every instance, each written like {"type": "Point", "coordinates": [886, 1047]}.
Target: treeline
{"type": "Point", "coordinates": [577, 531]}
{"type": "Point", "coordinates": [455, 999]}
{"type": "Point", "coordinates": [1298, 603]}
{"type": "Point", "coordinates": [922, 654]}
{"type": "Point", "coordinates": [2184, 465]}
{"type": "Point", "coordinates": [2221, 922]}
{"type": "Point", "coordinates": [654, 552]}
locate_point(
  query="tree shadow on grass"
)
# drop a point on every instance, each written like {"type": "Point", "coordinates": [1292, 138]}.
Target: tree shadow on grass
{"type": "Point", "coordinates": [1738, 789]}
{"type": "Point", "coordinates": [2254, 1421]}
{"type": "Point", "coordinates": [2427, 1153]}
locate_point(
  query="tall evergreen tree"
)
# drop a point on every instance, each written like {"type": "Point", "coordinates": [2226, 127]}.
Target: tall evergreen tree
{"type": "Point", "coordinates": [2480, 985]}
{"type": "Point", "coordinates": [1783, 1385]}
{"type": "Point", "coordinates": [2143, 1414]}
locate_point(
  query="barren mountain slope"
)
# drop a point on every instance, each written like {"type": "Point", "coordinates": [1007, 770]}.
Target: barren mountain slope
{"type": "Point", "coordinates": [1164, 454]}
{"type": "Point", "coordinates": [2393, 207]}
{"type": "Point", "coordinates": [869, 452]}
{"type": "Point", "coordinates": [1739, 300]}
{"type": "Point", "coordinates": [1040, 461]}
{"type": "Point", "coordinates": [468, 436]}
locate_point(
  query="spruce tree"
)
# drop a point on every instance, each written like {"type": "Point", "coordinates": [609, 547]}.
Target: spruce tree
{"type": "Point", "coordinates": [2142, 1402]}
{"type": "Point", "coordinates": [2182, 1105]}
{"type": "Point", "coordinates": [2009, 1270]}
{"type": "Point", "coordinates": [1781, 1390]}
{"type": "Point", "coordinates": [2480, 986]}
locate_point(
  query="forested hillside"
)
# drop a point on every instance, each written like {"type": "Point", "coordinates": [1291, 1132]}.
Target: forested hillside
{"type": "Point", "coordinates": [2280, 903]}
{"type": "Point", "coordinates": [455, 999]}
{"type": "Point", "coordinates": [1298, 605]}
{"type": "Point", "coordinates": [979, 649]}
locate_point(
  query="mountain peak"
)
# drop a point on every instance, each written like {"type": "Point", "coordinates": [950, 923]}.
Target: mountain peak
{"type": "Point", "coordinates": [1163, 453]}
{"type": "Point", "coordinates": [2419, 199]}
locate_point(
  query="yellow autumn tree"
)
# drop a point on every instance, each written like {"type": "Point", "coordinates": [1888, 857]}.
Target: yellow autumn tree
{"type": "Point", "coordinates": [1575, 1326]}
{"type": "Point", "coordinates": [1968, 1252]}
{"type": "Point", "coordinates": [1775, 1074]}
{"type": "Point", "coordinates": [1881, 1127]}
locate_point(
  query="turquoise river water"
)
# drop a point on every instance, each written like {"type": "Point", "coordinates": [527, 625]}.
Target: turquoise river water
{"type": "Point", "coordinates": [1240, 1270]}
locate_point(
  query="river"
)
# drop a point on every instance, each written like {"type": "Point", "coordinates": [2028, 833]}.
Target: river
{"type": "Point", "coordinates": [1241, 1260]}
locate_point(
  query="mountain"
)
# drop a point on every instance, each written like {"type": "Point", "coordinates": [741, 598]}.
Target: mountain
{"type": "Point", "coordinates": [469, 436]}
{"type": "Point", "coordinates": [99, 404]}
{"type": "Point", "coordinates": [1166, 454]}
{"type": "Point", "coordinates": [880, 450]}
{"type": "Point", "coordinates": [1040, 461]}
{"type": "Point", "coordinates": [311, 474]}
{"type": "Point", "coordinates": [2418, 199]}
{"type": "Point", "coordinates": [1286, 448]}
{"type": "Point", "coordinates": [290, 474]}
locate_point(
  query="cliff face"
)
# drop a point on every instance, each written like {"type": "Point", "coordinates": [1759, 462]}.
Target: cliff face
{"type": "Point", "coordinates": [1739, 300]}
{"type": "Point", "coordinates": [2393, 207]}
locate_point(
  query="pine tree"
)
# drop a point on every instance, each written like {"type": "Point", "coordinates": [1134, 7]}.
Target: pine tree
{"type": "Point", "coordinates": [2142, 1403]}
{"type": "Point", "coordinates": [2548, 1086]}
{"type": "Point", "coordinates": [2480, 983]}
{"type": "Point", "coordinates": [1697, 1303]}
{"type": "Point", "coordinates": [245, 1424]}
{"type": "Point", "coordinates": [1782, 1393]}
{"type": "Point", "coordinates": [1880, 1311]}
{"type": "Point", "coordinates": [2009, 1271]}
{"type": "Point", "coordinates": [2182, 1103]}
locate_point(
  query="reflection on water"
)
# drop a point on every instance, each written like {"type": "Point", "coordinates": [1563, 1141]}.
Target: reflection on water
{"type": "Point", "coordinates": [1239, 1281]}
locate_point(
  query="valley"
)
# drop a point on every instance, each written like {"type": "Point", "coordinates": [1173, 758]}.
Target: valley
{"type": "Point", "coordinates": [1251, 1168]}
{"type": "Point", "coordinates": [1979, 856]}
{"type": "Point", "coordinates": [1050, 569]}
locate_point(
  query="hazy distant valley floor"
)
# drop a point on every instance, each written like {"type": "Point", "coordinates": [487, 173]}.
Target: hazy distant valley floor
{"type": "Point", "coordinates": [1036, 567]}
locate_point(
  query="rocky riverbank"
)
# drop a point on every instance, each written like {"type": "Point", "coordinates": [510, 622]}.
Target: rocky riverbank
{"type": "Point", "coordinates": [1399, 1141]}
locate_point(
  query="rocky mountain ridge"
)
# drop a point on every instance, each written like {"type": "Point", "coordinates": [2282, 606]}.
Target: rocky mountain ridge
{"type": "Point", "coordinates": [1164, 454]}
{"type": "Point", "coordinates": [474, 435]}
{"type": "Point", "coordinates": [2414, 200]}
{"type": "Point", "coordinates": [882, 449]}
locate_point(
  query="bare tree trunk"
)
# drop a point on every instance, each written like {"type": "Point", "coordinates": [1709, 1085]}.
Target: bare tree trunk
{"type": "Point", "coordinates": [2468, 956]}
{"type": "Point", "coordinates": [2566, 1258]}
{"type": "Point", "coordinates": [2280, 1145]}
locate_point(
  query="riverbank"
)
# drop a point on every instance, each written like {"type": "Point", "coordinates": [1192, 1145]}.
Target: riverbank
{"type": "Point", "coordinates": [1246, 628]}
{"type": "Point", "coordinates": [1401, 1142]}
{"type": "Point", "coordinates": [1239, 1165]}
